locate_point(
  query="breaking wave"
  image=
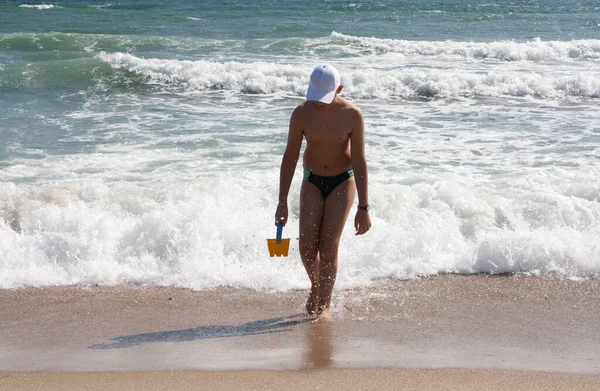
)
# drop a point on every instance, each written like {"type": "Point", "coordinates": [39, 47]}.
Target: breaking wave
{"type": "Point", "coordinates": [270, 78]}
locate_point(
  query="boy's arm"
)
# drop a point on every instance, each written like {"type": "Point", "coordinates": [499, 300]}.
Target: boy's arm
{"type": "Point", "coordinates": [359, 161]}
{"type": "Point", "coordinates": [288, 164]}
{"type": "Point", "coordinates": [362, 221]}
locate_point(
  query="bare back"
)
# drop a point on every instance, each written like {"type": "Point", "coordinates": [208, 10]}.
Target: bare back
{"type": "Point", "coordinates": [327, 130]}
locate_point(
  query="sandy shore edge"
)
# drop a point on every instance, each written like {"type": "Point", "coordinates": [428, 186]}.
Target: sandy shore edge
{"type": "Point", "coordinates": [523, 324]}
{"type": "Point", "coordinates": [331, 379]}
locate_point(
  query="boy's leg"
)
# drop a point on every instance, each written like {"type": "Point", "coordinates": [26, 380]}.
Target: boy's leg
{"type": "Point", "coordinates": [337, 208]}
{"type": "Point", "coordinates": [311, 216]}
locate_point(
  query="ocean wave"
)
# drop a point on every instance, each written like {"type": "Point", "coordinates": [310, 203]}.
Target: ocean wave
{"type": "Point", "coordinates": [38, 6]}
{"type": "Point", "coordinates": [76, 74]}
{"type": "Point", "coordinates": [95, 233]}
{"type": "Point", "coordinates": [335, 46]}
{"type": "Point", "coordinates": [252, 78]}
{"type": "Point", "coordinates": [125, 6]}
{"type": "Point", "coordinates": [94, 43]}
{"type": "Point", "coordinates": [270, 78]}
{"type": "Point", "coordinates": [535, 50]}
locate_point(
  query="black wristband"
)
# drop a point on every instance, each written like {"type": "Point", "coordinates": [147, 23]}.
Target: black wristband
{"type": "Point", "coordinates": [364, 207]}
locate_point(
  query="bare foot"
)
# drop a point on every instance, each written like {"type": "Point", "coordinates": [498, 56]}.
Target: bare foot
{"type": "Point", "coordinates": [324, 315]}
{"type": "Point", "coordinates": [312, 304]}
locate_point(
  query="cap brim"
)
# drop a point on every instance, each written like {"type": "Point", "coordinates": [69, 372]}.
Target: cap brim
{"type": "Point", "coordinates": [320, 96]}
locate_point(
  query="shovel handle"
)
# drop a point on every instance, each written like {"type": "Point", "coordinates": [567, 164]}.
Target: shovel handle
{"type": "Point", "coordinates": [279, 230]}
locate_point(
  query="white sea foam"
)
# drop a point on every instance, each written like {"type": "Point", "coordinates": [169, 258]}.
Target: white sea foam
{"type": "Point", "coordinates": [269, 78]}
{"type": "Point", "coordinates": [183, 195]}
{"type": "Point", "coordinates": [190, 234]}
{"type": "Point", "coordinates": [536, 50]}
{"type": "Point", "coordinates": [38, 6]}
{"type": "Point", "coordinates": [207, 75]}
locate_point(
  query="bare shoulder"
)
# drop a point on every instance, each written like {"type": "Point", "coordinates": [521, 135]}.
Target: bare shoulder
{"type": "Point", "coordinates": [299, 114]}
{"type": "Point", "coordinates": [300, 111]}
{"type": "Point", "coordinates": [350, 110]}
{"type": "Point", "coordinates": [302, 107]}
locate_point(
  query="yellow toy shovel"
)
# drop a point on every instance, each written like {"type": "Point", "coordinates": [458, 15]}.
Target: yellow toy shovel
{"type": "Point", "coordinates": [279, 247]}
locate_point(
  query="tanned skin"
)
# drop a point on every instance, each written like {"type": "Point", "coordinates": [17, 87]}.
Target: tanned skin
{"type": "Point", "coordinates": [335, 135]}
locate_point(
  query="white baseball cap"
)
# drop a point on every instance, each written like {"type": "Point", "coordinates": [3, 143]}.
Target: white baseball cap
{"type": "Point", "coordinates": [324, 82]}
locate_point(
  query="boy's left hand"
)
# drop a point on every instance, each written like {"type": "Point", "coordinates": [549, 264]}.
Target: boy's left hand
{"type": "Point", "coordinates": [362, 222]}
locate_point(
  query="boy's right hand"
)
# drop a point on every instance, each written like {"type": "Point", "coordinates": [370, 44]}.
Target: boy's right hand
{"type": "Point", "coordinates": [281, 213]}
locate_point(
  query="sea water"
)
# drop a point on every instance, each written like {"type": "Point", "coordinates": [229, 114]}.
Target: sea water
{"type": "Point", "coordinates": [140, 140]}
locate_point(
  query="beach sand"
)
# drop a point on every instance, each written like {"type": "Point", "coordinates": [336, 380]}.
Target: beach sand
{"type": "Point", "coordinates": [445, 332]}
{"type": "Point", "coordinates": [327, 379]}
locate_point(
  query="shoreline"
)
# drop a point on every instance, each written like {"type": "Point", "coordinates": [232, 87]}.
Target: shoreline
{"type": "Point", "coordinates": [477, 323]}
{"type": "Point", "coordinates": [332, 379]}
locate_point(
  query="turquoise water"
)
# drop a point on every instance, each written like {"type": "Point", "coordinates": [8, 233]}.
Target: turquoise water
{"type": "Point", "coordinates": [140, 140]}
{"type": "Point", "coordinates": [415, 20]}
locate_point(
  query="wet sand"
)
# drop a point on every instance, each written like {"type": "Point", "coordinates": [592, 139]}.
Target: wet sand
{"type": "Point", "coordinates": [327, 379]}
{"type": "Point", "coordinates": [476, 331]}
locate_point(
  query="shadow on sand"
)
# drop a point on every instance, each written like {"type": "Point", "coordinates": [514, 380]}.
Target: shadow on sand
{"type": "Point", "coordinates": [275, 325]}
